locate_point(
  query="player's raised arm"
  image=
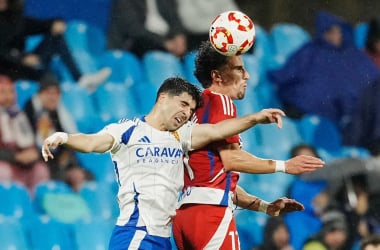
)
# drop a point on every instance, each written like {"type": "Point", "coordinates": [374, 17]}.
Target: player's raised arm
{"type": "Point", "coordinates": [86, 143]}
{"type": "Point", "coordinates": [205, 133]}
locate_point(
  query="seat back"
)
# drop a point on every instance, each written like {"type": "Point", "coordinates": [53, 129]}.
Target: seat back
{"type": "Point", "coordinates": [12, 234]}
{"type": "Point", "coordinates": [159, 65]}
{"type": "Point", "coordinates": [126, 67]}
{"type": "Point", "coordinates": [286, 38]}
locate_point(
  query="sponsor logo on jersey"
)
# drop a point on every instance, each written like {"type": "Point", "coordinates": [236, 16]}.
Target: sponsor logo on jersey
{"type": "Point", "coordinates": [159, 152]}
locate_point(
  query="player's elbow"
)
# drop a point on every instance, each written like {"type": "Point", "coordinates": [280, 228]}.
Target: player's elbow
{"type": "Point", "coordinates": [228, 161]}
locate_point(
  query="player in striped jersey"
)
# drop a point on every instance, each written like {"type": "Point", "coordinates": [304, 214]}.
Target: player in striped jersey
{"type": "Point", "coordinates": [205, 217]}
{"type": "Point", "coordinates": [148, 154]}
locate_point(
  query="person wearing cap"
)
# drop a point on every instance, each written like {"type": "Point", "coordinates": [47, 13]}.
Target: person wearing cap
{"type": "Point", "coordinates": [333, 234]}
{"type": "Point", "coordinates": [19, 157]}
{"type": "Point", "coordinates": [47, 115]}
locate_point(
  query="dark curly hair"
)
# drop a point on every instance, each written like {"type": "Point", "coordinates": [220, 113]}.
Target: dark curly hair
{"type": "Point", "coordinates": [176, 86]}
{"type": "Point", "coordinates": [207, 59]}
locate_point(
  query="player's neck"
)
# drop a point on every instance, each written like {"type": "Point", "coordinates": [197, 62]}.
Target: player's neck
{"type": "Point", "coordinates": [153, 119]}
{"type": "Point", "coordinates": [219, 90]}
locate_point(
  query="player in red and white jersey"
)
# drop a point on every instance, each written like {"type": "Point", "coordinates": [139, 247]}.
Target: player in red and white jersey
{"type": "Point", "coordinates": [204, 218]}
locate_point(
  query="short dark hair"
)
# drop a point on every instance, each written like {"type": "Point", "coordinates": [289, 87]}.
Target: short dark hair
{"type": "Point", "coordinates": [373, 240]}
{"type": "Point", "coordinates": [207, 59]}
{"type": "Point", "coordinates": [176, 86]}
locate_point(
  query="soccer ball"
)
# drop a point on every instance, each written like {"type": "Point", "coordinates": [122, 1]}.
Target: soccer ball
{"type": "Point", "coordinates": [232, 33]}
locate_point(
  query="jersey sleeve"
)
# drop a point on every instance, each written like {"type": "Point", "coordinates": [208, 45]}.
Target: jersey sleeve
{"type": "Point", "coordinates": [185, 135]}
{"type": "Point", "coordinates": [221, 108]}
{"type": "Point", "coordinates": [116, 130]}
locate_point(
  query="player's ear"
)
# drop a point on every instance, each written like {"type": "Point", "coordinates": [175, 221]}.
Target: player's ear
{"type": "Point", "coordinates": [215, 75]}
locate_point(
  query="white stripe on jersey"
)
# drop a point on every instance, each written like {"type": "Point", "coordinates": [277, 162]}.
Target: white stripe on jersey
{"type": "Point", "coordinates": [220, 234]}
{"type": "Point", "coordinates": [136, 240]}
{"type": "Point", "coordinates": [228, 108]}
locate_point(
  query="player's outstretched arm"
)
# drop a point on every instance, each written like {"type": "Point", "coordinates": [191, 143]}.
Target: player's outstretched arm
{"type": "Point", "coordinates": [235, 159]}
{"type": "Point", "coordinates": [205, 133]}
{"type": "Point", "coordinates": [86, 143]}
{"type": "Point", "coordinates": [275, 208]}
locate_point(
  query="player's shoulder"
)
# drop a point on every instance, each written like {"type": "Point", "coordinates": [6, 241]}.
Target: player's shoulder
{"type": "Point", "coordinates": [217, 97]}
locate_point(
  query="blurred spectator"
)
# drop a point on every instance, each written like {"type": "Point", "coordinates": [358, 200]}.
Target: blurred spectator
{"type": "Point", "coordinates": [18, 150]}
{"type": "Point", "coordinates": [304, 149]}
{"type": "Point", "coordinates": [316, 199]}
{"type": "Point", "coordinates": [372, 46]}
{"type": "Point", "coordinates": [333, 234]}
{"type": "Point", "coordinates": [353, 199]}
{"type": "Point", "coordinates": [276, 235]}
{"type": "Point", "coordinates": [364, 130]}
{"type": "Point", "coordinates": [143, 25]}
{"type": "Point", "coordinates": [371, 242]}
{"type": "Point", "coordinates": [326, 75]}
{"type": "Point", "coordinates": [197, 15]}
{"type": "Point", "coordinates": [47, 115]}
{"type": "Point", "coordinates": [15, 28]}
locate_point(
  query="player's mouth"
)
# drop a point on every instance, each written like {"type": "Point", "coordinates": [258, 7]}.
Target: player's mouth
{"type": "Point", "coordinates": [179, 120]}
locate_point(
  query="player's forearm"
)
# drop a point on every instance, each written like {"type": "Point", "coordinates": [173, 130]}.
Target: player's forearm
{"type": "Point", "coordinates": [242, 161]}
{"type": "Point", "coordinates": [230, 127]}
{"type": "Point", "coordinates": [86, 143]}
{"type": "Point", "coordinates": [247, 201]}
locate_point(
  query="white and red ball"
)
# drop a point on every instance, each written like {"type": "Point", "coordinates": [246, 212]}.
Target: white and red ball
{"type": "Point", "coordinates": [232, 33]}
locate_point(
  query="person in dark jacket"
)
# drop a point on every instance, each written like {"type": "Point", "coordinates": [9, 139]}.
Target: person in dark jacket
{"type": "Point", "coordinates": [143, 25]}
{"type": "Point", "coordinates": [15, 62]}
{"type": "Point", "coordinates": [276, 235]}
{"type": "Point", "coordinates": [326, 75]}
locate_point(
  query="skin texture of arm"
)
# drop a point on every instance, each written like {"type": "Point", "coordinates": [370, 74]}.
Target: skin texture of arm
{"type": "Point", "coordinates": [236, 159]}
{"type": "Point", "coordinates": [85, 143]}
{"type": "Point", "coordinates": [205, 133]}
{"type": "Point", "coordinates": [275, 208]}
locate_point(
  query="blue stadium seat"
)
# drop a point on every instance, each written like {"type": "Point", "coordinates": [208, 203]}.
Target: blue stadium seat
{"type": "Point", "coordinates": [115, 101]}
{"type": "Point", "coordinates": [47, 234]}
{"type": "Point", "coordinates": [160, 65]}
{"type": "Point", "coordinates": [126, 67]}
{"type": "Point", "coordinates": [83, 36]}
{"type": "Point", "coordinates": [273, 186]}
{"type": "Point", "coordinates": [360, 34]}
{"type": "Point", "coordinates": [320, 132]}
{"type": "Point", "coordinates": [12, 235]}
{"type": "Point", "coordinates": [276, 143]}
{"type": "Point", "coordinates": [145, 93]}
{"type": "Point", "coordinates": [250, 104]}
{"type": "Point", "coordinates": [254, 68]}
{"type": "Point", "coordinates": [25, 89]}
{"type": "Point", "coordinates": [81, 107]}
{"type": "Point", "coordinates": [92, 234]}
{"type": "Point", "coordinates": [286, 38]}
{"type": "Point", "coordinates": [262, 48]}
{"type": "Point", "coordinates": [32, 42]}
{"type": "Point", "coordinates": [86, 62]}
{"type": "Point", "coordinates": [355, 152]}
{"type": "Point", "coordinates": [48, 187]}
{"type": "Point", "coordinates": [98, 164]}
{"type": "Point", "coordinates": [189, 67]}
{"type": "Point", "coordinates": [250, 227]}
{"type": "Point", "coordinates": [15, 202]}
{"type": "Point", "coordinates": [101, 200]}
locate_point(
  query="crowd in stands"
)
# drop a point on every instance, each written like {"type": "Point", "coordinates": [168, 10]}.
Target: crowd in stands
{"type": "Point", "coordinates": [329, 76]}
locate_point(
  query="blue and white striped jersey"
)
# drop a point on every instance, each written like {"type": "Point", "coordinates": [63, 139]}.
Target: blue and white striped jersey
{"type": "Point", "coordinates": [149, 170]}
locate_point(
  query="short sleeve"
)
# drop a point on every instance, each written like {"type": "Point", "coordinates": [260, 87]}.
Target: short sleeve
{"type": "Point", "coordinates": [185, 135]}
{"type": "Point", "coordinates": [116, 130]}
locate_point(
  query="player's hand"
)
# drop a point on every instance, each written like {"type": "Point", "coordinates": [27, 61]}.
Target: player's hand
{"type": "Point", "coordinates": [284, 205]}
{"type": "Point", "coordinates": [303, 164]}
{"type": "Point", "coordinates": [266, 116]}
{"type": "Point", "coordinates": [52, 141]}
